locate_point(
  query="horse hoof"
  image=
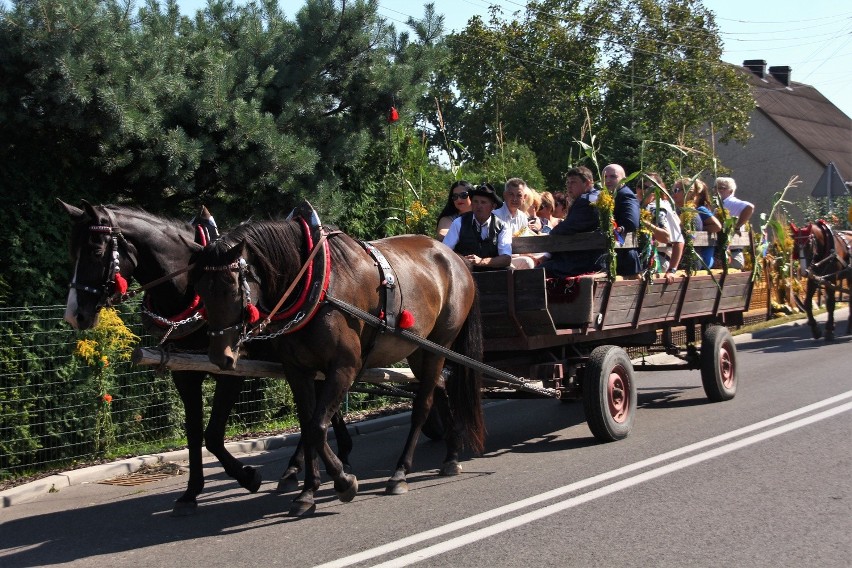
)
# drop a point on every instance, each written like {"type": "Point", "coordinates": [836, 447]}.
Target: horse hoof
{"type": "Point", "coordinates": [396, 487]}
{"type": "Point", "coordinates": [347, 494]}
{"type": "Point", "coordinates": [253, 479]}
{"type": "Point", "coordinates": [184, 508]}
{"type": "Point", "coordinates": [302, 509]}
{"type": "Point", "coordinates": [451, 468]}
{"type": "Point", "coordinates": [287, 484]}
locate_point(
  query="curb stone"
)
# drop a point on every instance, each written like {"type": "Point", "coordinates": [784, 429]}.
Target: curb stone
{"type": "Point", "coordinates": [100, 472]}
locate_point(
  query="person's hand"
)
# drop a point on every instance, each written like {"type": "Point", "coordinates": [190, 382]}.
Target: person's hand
{"type": "Point", "coordinates": [535, 224]}
{"type": "Point", "coordinates": [473, 260]}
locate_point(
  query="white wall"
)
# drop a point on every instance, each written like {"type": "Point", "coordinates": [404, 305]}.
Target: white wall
{"type": "Point", "coordinates": [765, 164]}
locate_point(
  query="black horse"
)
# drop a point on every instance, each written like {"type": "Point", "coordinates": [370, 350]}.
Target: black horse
{"type": "Point", "coordinates": [338, 285]}
{"type": "Point", "coordinates": [824, 256]}
{"type": "Point", "coordinates": [112, 244]}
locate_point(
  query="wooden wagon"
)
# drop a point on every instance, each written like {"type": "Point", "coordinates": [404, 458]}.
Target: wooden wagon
{"type": "Point", "coordinates": [567, 339]}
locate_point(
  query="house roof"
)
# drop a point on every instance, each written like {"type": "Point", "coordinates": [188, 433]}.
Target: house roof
{"type": "Point", "coordinates": [820, 128]}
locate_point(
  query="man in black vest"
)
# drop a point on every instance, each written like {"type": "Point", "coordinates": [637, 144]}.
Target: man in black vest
{"type": "Point", "coordinates": [478, 236]}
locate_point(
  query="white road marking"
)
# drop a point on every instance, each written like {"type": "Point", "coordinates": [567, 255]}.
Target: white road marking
{"type": "Point", "coordinates": [601, 492]}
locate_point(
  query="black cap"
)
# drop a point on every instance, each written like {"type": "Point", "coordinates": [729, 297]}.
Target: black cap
{"type": "Point", "coordinates": [486, 190]}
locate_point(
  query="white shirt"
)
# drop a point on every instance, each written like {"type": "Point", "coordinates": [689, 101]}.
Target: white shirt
{"type": "Point", "coordinates": [519, 223]}
{"type": "Point", "coordinates": [668, 219]}
{"type": "Point", "coordinates": [504, 238]}
{"type": "Point", "coordinates": [735, 205]}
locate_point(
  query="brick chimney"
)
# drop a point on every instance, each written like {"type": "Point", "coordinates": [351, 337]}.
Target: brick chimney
{"type": "Point", "coordinates": [782, 74]}
{"type": "Point", "coordinates": [756, 66]}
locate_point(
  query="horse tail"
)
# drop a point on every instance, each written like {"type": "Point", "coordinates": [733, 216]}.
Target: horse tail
{"type": "Point", "coordinates": [464, 385]}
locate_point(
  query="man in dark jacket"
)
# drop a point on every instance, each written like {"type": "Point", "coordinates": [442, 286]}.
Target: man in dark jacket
{"type": "Point", "coordinates": [582, 218]}
{"type": "Point", "coordinates": [626, 215]}
{"type": "Point", "coordinates": [478, 236]}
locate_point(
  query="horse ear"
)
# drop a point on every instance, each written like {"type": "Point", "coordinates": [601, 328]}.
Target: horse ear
{"type": "Point", "coordinates": [75, 213]}
{"type": "Point", "coordinates": [237, 252]}
{"type": "Point", "coordinates": [90, 210]}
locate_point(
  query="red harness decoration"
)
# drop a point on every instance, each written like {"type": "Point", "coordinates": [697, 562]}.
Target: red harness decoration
{"type": "Point", "coordinates": [254, 314]}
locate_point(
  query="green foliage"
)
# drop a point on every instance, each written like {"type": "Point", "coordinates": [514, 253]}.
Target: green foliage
{"type": "Point", "coordinates": [818, 208]}
{"type": "Point", "coordinates": [642, 70]}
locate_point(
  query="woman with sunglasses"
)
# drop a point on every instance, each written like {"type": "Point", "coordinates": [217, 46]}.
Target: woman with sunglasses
{"type": "Point", "coordinates": [458, 203]}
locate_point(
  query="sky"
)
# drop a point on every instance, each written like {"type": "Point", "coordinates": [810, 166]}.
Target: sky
{"type": "Point", "coordinates": [813, 38]}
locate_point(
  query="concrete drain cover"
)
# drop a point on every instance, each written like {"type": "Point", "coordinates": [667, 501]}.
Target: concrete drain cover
{"type": "Point", "coordinates": [146, 474]}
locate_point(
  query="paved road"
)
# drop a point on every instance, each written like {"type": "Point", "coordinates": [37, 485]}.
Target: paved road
{"type": "Point", "coordinates": [762, 480]}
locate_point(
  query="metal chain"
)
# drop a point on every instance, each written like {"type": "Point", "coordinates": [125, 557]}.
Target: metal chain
{"type": "Point", "coordinates": [250, 336]}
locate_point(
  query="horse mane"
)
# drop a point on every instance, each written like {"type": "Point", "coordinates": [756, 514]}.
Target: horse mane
{"type": "Point", "coordinates": [275, 247]}
{"type": "Point", "coordinates": [80, 230]}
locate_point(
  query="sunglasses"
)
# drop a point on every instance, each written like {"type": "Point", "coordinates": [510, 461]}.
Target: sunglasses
{"type": "Point", "coordinates": [462, 195]}
{"type": "Point", "coordinates": [677, 190]}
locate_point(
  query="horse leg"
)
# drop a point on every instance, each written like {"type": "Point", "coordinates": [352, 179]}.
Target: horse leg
{"type": "Point", "coordinates": [303, 394]}
{"type": "Point", "coordinates": [227, 392]}
{"type": "Point", "coordinates": [810, 290]}
{"type": "Point", "coordinates": [289, 480]}
{"type": "Point", "coordinates": [829, 305]}
{"type": "Point", "coordinates": [188, 385]}
{"type": "Point", "coordinates": [426, 369]}
{"type": "Point", "coordinates": [452, 436]}
{"type": "Point", "coordinates": [333, 390]}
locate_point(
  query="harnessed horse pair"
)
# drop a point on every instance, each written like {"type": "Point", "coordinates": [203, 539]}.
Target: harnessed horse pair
{"type": "Point", "coordinates": [111, 245]}
{"type": "Point", "coordinates": [824, 256]}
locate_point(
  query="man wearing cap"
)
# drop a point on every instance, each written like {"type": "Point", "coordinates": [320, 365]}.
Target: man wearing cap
{"type": "Point", "coordinates": [478, 236]}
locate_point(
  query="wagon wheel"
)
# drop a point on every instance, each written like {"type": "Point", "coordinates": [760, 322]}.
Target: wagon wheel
{"type": "Point", "coordinates": [718, 363]}
{"type": "Point", "coordinates": [609, 393]}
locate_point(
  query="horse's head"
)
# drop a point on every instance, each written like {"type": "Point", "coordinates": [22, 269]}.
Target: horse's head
{"type": "Point", "coordinates": [103, 263]}
{"type": "Point", "coordinates": [226, 283]}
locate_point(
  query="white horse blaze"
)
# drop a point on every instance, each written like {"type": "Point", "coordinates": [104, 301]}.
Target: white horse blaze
{"type": "Point", "coordinates": [71, 304]}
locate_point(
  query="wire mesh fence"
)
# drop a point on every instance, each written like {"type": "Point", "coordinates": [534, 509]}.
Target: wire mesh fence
{"type": "Point", "coordinates": [64, 402]}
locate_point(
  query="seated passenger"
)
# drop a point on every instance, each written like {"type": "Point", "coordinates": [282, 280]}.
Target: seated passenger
{"type": "Point", "coordinates": [478, 236]}
{"type": "Point", "coordinates": [458, 203]}
{"type": "Point", "coordinates": [626, 215]}
{"type": "Point", "coordinates": [582, 218]}
{"type": "Point", "coordinates": [667, 220]}
{"type": "Point", "coordinates": [698, 197]}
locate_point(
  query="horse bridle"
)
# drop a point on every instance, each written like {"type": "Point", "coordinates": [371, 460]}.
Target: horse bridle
{"type": "Point", "coordinates": [108, 293]}
{"type": "Point", "coordinates": [244, 328]}
{"type": "Point", "coordinates": [830, 255]}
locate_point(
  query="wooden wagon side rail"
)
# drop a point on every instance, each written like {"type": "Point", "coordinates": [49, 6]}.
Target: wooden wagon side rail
{"type": "Point", "coordinates": [517, 313]}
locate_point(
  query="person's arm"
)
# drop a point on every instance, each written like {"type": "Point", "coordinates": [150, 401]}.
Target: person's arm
{"type": "Point", "coordinates": [661, 235]}
{"type": "Point", "coordinates": [451, 238]}
{"type": "Point", "coordinates": [744, 216]}
{"type": "Point", "coordinates": [677, 254]}
{"type": "Point", "coordinates": [443, 226]}
{"type": "Point", "coordinates": [627, 211]}
{"type": "Point", "coordinates": [711, 223]}
{"type": "Point", "coordinates": [499, 261]}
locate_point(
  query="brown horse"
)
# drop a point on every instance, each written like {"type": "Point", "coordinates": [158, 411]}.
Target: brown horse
{"type": "Point", "coordinates": [413, 277]}
{"type": "Point", "coordinates": [110, 245]}
{"type": "Point", "coordinates": [824, 256]}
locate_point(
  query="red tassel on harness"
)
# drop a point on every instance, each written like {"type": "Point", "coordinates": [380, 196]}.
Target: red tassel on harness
{"type": "Point", "coordinates": [406, 319]}
{"type": "Point", "coordinates": [253, 313]}
{"type": "Point", "coordinates": [120, 284]}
